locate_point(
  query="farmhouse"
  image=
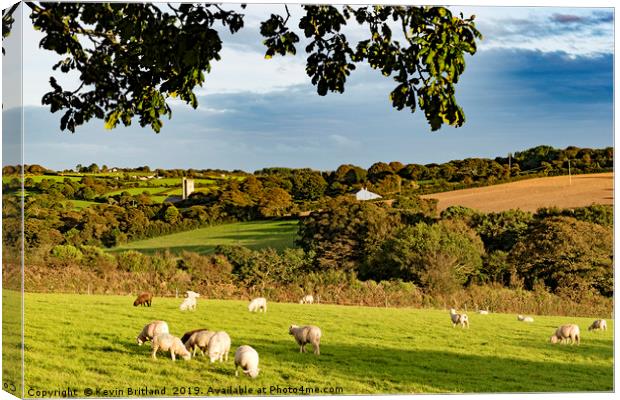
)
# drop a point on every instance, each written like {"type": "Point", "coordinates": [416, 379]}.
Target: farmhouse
{"type": "Point", "coordinates": [364, 195]}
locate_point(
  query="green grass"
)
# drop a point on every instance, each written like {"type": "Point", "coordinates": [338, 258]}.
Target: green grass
{"type": "Point", "coordinates": [39, 178]}
{"type": "Point", "coordinates": [254, 234]}
{"type": "Point", "coordinates": [138, 190]}
{"type": "Point", "coordinates": [91, 343]}
{"type": "Point", "coordinates": [175, 181]}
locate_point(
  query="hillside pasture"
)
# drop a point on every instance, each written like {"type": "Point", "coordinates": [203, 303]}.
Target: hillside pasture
{"type": "Point", "coordinates": [254, 234]}
{"type": "Point", "coordinates": [138, 190]}
{"type": "Point", "coordinates": [532, 194]}
{"type": "Point", "coordinates": [91, 344]}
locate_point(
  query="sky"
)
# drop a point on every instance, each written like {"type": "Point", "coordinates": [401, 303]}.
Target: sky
{"type": "Point", "coordinates": [541, 76]}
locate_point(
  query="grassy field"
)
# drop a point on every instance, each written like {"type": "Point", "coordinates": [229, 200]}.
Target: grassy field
{"type": "Point", "coordinates": [531, 194]}
{"type": "Point", "coordinates": [254, 234]}
{"type": "Point", "coordinates": [138, 190]}
{"type": "Point", "coordinates": [91, 344]}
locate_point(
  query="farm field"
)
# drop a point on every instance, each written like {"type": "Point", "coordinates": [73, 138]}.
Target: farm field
{"type": "Point", "coordinates": [138, 190]}
{"type": "Point", "coordinates": [91, 344]}
{"type": "Point", "coordinates": [531, 194]}
{"type": "Point", "coordinates": [254, 234]}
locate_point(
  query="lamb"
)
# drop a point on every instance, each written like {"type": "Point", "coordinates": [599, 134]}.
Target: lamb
{"type": "Point", "coordinates": [151, 330]}
{"type": "Point", "coordinates": [190, 301]}
{"type": "Point", "coordinates": [525, 318]}
{"type": "Point", "coordinates": [598, 324]}
{"type": "Point", "coordinates": [258, 304]}
{"type": "Point", "coordinates": [219, 346]}
{"type": "Point", "coordinates": [199, 341]}
{"type": "Point", "coordinates": [307, 299]}
{"type": "Point", "coordinates": [461, 319]}
{"type": "Point", "coordinates": [565, 333]}
{"type": "Point", "coordinates": [306, 334]}
{"type": "Point", "coordinates": [187, 335]}
{"type": "Point", "coordinates": [167, 342]}
{"type": "Point", "coordinates": [246, 358]}
{"type": "Point", "coordinates": [144, 298]}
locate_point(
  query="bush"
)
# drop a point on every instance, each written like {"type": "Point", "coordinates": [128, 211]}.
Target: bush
{"type": "Point", "coordinates": [67, 253]}
{"type": "Point", "coordinates": [133, 261]}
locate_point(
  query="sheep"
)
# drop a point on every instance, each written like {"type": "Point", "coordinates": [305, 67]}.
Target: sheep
{"type": "Point", "coordinates": [167, 342]}
{"type": "Point", "coordinates": [524, 318]}
{"type": "Point", "coordinates": [187, 335]}
{"type": "Point", "coordinates": [258, 304]}
{"type": "Point", "coordinates": [219, 346]}
{"type": "Point", "coordinates": [307, 299]}
{"type": "Point", "coordinates": [306, 334]}
{"type": "Point", "coordinates": [198, 341]}
{"type": "Point", "coordinates": [151, 330]}
{"type": "Point", "coordinates": [565, 333]}
{"type": "Point", "coordinates": [483, 312]}
{"type": "Point", "coordinates": [190, 301]}
{"type": "Point", "coordinates": [461, 319]}
{"type": "Point", "coordinates": [247, 358]}
{"type": "Point", "coordinates": [598, 324]}
{"type": "Point", "coordinates": [144, 298]}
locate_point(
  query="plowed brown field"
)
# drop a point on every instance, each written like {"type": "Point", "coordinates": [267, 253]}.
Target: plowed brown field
{"type": "Point", "coordinates": [531, 194]}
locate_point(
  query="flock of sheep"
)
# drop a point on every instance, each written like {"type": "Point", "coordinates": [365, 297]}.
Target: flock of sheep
{"type": "Point", "coordinates": [216, 345]}
{"type": "Point", "coordinates": [563, 334]}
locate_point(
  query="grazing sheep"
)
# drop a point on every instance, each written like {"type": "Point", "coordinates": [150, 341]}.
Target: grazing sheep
{"type": "Point", "coordinates": [307, 299]}
{"type": "Point", "coordinates": [246, 358]}
{"type": "Point", "coordinates": [460, 319]}
{"type": "Point", "coordinates": [187, 335]}
{"type": "Point", "coordinates": [143, 299]}
{"type": "Point", "coordinates": [306, 334]}
{"type": "Point", "coordinates": [190, 301]}
{"type": "Point", "coordinates": [565, 333]}
{"type": "Point", "coordinates": [151, 330]}
{"type": "Point", "coordinates": [524, 318]}
{"type": "Point", "coordinates": [258, 304]}
{"type": "Point", "coordinates": [167, 342]}
{"type": "Point", "coordinates": [598, 324]}
{"type": "Point", "coordinates": [198, 341]}
{"type": "Point", "coordinates": [219, 346]}
{"type": "Point", "coordinates": [483, 312]}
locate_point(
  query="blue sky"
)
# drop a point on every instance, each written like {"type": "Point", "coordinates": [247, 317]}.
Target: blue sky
{"type": "Point", "coordinates": [541, 76]}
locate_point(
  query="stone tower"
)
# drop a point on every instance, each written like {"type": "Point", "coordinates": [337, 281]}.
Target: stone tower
{"type": "Point", "coordinates": [188, 187]}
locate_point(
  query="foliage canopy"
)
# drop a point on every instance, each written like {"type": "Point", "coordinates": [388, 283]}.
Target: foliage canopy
{"type": "Point", "coordinates": [132, 58]}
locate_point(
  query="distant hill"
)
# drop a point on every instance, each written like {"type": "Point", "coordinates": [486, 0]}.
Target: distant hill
{"type": "Point", "coordinates": [531, 194]}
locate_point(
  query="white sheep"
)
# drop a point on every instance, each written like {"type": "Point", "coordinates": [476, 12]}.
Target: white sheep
{"type": "Point", "coordinates": [258, 304]}
{"type": "Point", "coordinates": [483, 312]}
{"type": "Point", "coordinates": [151, 330]}
{"type": "Point", "coordinates": [190, 301]}
{"type": "Point", "coordinates": [598, 324]}
{"type": "Point", "coordinates": [246, 358]}
{"type": "Point", "coordinates": [524, 318]}
{"type": "Point", "coordinates": [306, 334]}
{"type": "Point", "coordinates": [167, 342]}
{"type": "Point", "coordinates": [199, 341]}
{"type": "Point", "coordinates": [460, 319]}
{"type": "Point", "coordinates": [219, 346]}
{"type": "Point", "coordinates": [307, 299]}
{"type": "Point", "coordinates": [565, 333]}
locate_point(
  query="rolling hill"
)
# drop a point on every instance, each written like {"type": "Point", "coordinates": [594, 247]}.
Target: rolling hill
{"type": "Point", "coordinates": [531, 194]}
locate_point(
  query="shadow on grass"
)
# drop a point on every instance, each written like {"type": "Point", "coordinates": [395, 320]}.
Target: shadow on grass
{"type": "Point", "coordinates": [400, 370]}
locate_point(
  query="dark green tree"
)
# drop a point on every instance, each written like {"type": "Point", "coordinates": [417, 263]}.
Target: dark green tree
{"type": "Point", "coordinates": [132, 58]}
